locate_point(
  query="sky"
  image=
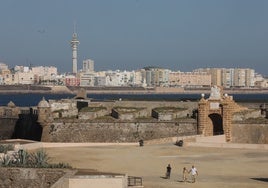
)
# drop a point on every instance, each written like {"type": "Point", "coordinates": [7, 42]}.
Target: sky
{"type": "Point", "coordinates": [180, 35]}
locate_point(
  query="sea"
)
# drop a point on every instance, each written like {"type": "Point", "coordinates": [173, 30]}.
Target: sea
{"type": "Point", "coordinates": [27, 100]}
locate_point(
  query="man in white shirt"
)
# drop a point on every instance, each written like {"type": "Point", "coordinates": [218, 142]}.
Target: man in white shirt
{"type": "Point", "coordinates": [194, 173]}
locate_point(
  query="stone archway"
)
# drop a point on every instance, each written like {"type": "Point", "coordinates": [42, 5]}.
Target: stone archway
{"type": "Point", "coordinates": [215, 114]}
{"type": "Point", "coordinates": [216, 123]}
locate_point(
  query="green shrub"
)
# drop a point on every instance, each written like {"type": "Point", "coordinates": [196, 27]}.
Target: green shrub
{"type": "Point", "coordinates": [38, 159]}
{"type": "Point", "coordinates": [6, 147]}
{"type": "Point", "coordinates": [6, 160]}
{"type": "Point", "coordinates": [23, 158]}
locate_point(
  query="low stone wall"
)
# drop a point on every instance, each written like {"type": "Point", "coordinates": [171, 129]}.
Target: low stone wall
{"type": "Point", "coordinates": [116, 131]}
{"type": "Point", "coordinates": [149, 105]}
{"type": "Point", "coordinates": [30, 177]}
{"type": "Point", "coordinates": [247, 114]}
{"type": "Point", "coordinates": [169, 116]}
{"type": "Point", "coordinates": [250, 133]}
{"type": "Point", "coordinates": [123, 114]}
{"type": "Point", "coordinates": [92, 115]}
{"type": "Point", "coordinates": [98, 181]}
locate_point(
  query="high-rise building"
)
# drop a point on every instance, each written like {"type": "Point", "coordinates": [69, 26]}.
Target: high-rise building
{"type": "Point", "coordinates": [155, 76]}
{"type": "Point", "coordinates": [190, 79]}
{"type": "Point", "coordinates": [74, 44]}
{"type": "Point", "coordinates": [231, 77]}
{"type": "Point", "coordinates": [88, 65]}
{"type": "Point", "coordinates": [227, 77]}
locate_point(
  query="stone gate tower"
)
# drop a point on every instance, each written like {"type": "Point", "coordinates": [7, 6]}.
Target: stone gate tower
{"type": "Point", "coordinates": [215, 114]}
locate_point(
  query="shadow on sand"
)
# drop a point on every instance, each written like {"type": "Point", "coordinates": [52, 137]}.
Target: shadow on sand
{"type": "Point", "coordinates": [260, 179]}
{"type": "Point", "coordinates": [187, 181]}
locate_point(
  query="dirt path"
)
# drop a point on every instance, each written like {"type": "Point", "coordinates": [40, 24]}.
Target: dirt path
{"type": "Point", "coordinates": [238, 168]}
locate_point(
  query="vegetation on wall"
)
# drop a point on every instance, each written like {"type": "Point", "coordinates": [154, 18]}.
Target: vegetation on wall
{"type": "Point", "coordinates": [6, 147]}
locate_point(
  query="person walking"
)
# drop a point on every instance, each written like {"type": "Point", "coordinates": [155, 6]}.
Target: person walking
{"type": "Point", "coordinates": [184, 174]}
{"type": "Point", "coordinates": [194, 173]}
{"type": "Point", "coordinates": [168, 171]}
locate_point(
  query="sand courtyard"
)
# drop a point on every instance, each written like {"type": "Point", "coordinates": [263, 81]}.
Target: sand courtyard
{"type": "Point", "coordinates": [217, 167]}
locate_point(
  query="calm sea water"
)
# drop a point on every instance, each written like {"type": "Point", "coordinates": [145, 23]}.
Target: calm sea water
{"type": "Point", "coordinates": [33, 99]}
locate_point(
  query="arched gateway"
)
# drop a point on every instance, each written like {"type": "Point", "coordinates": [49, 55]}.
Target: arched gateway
{"type": "Point", "coordinates": [215, 114]}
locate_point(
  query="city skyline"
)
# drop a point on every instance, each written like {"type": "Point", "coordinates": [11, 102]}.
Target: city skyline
{"type": "Point", "coordinates": [177, 35]}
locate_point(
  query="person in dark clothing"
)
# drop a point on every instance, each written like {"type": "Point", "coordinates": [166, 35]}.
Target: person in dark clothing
{"type": "Point", "coordinates": [168, 171]}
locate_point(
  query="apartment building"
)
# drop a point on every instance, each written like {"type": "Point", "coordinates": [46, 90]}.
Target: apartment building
{"type": "Point", "coordinates": [155, 76]}
{"type": "Point", "coordinates": [189, 79]}
{"type": "Point", "coordinates": [232, 77]}
{"type": "Point", "coordinates": [87, 79]}
{"type": "Point", "coordinates": [88, 66]}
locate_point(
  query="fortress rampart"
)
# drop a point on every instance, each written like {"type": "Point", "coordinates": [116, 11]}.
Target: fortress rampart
{"type": "Point", "coordinates": [85, 120]}
{"type": "Point", "coordinates": [123, 131]}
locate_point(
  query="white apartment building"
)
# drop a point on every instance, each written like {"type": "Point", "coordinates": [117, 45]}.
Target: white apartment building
{"type": "Point", "coordinates": [244, 77]}
{"type": "Point", "coordinates": [8, 77]}
{"type": "Point", "coordinates": [45, 71]}
{"type": "Point", "coordinates": [88, 65]}
{"type": "Point", "coordinates": [117, 78]}
{"type": "Point", "coordinates": [227, 78]}
{"type": "Point", "coordinates": [233, 77]}
{"type": "Point", "coordinates": [100, 81]}
{"type": "Point", "coordinates": [20, 68]}
{"type": "Point", "coordinates": [189, 79]}
{"type": "Point", "coordinates": [138, 79]}
{"type": "Point", "coordinates": [250, 77]}
{"type": "Point", "coordinates": [87, 79]}
{"type": "Point", "coordinates": [261, 83]}
{"type": "Point", "coordinates": [100, 78]}
{"type": "Point", "coordinates": [216, 75]}
{"type": "Point", "coordinates": [155, 76]}
{"type": "Point", "coordinates": [24, 78]}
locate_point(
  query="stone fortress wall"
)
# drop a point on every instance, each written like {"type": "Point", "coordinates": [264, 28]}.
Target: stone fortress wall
{"type": "Point", "coordinates": [250, 126]}
{"type": "Point", "coordinates": [116, 121]}
{"type": "Point", "coordinates": [85, 120]}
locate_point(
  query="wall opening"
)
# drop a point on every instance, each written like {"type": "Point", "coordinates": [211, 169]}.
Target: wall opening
{"type": "Point", "coordinates": [217, 124]}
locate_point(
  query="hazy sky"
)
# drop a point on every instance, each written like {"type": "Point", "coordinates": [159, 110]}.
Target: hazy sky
{"type": "Point", "coordinates": [131, 34]}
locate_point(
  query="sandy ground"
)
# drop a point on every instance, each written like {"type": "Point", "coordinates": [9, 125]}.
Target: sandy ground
{"type": "Point", "coordinates": [217, 167]}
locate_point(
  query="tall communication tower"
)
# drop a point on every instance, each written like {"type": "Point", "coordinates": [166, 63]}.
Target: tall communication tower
{"type": "Point", "coordinates": [74, 44]}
